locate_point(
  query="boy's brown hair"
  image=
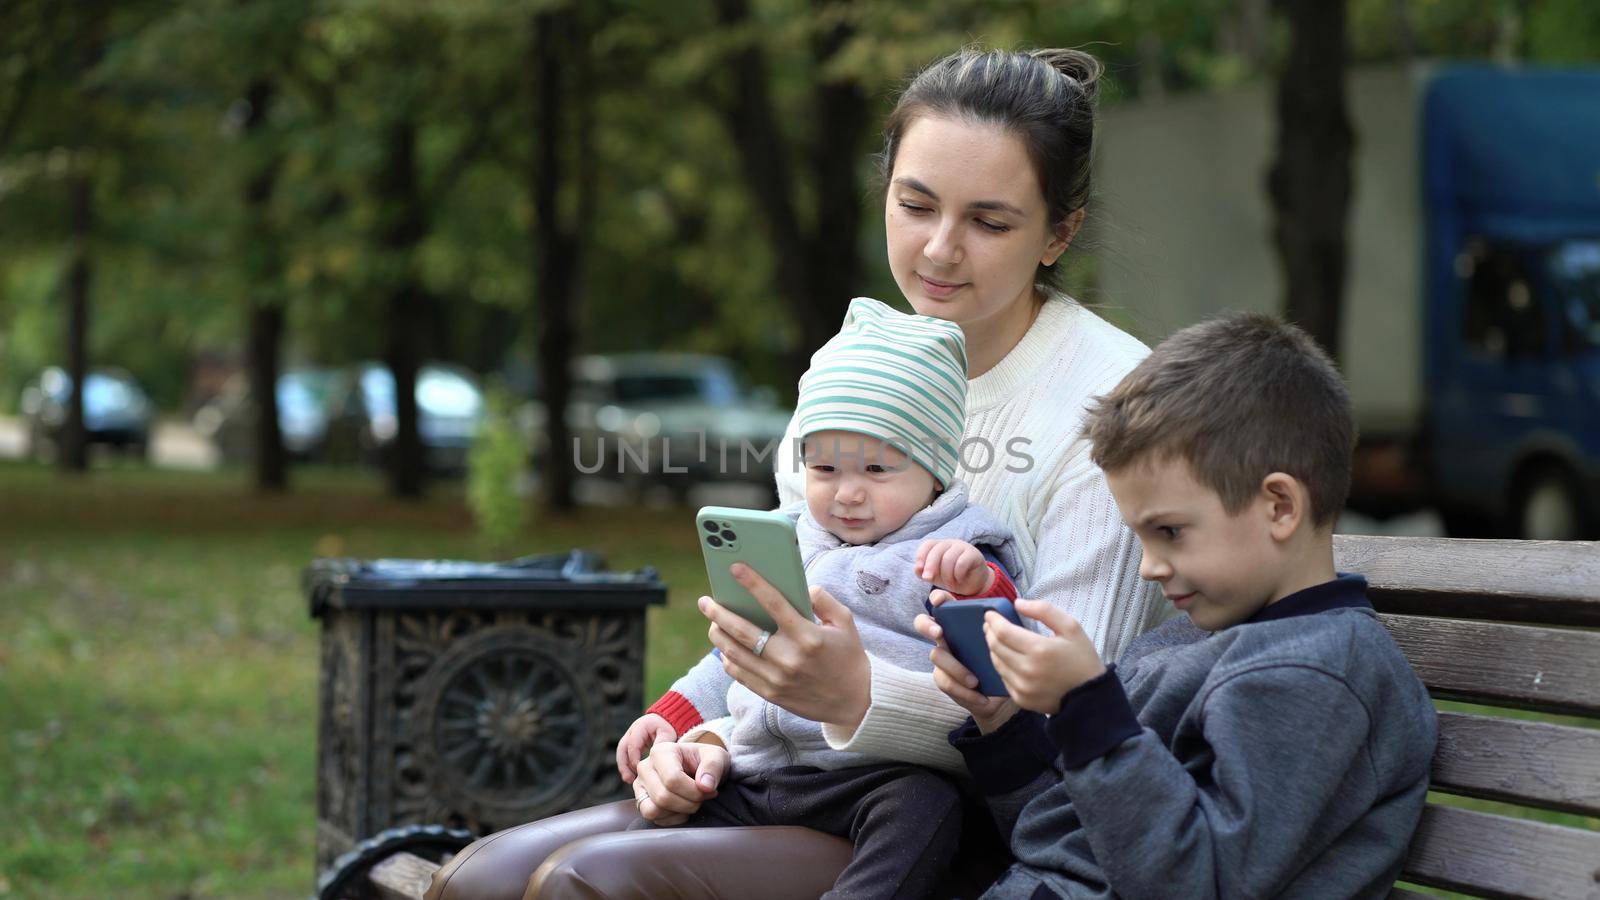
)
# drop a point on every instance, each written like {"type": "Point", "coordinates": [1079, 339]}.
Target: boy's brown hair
{"type": "Point", "coordinates": [1238, 398]}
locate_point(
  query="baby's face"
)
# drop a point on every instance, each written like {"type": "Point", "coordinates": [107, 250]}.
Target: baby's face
{"type": "Point", "coordinates": [860, 488]}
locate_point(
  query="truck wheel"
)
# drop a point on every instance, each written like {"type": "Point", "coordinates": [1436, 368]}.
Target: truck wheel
{"type": "Point", "coordinates": [1550, 506]}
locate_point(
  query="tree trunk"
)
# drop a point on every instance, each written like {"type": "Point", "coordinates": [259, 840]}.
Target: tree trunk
{"type": "Point", "coordinates": [403, 228]}
{"type": "Point", "coordinates": [834, 258]}
{"type": "Point", "coordinates": [266, 334]}
{"type": "Point", "coordinates": [74, 444]}
{"type": "Point", "coordinates": [266, 315]}
{"type": "Point", "coordinates": [817, 267]}
{"type": "Point", "coordinates": [403, 355]}
{"type": "Point", "coordinates": [1405, 33]}
{"type": "Point", "coordinates": [1247, 33]}
{"type": "Point", "coordinates": [558, 44]}
{"type": "Point", "coordinates": [1510, 39]}
{"type": "Point", "coordinates": [1152, 70]}
{"type": "Point", "coordinates": [73, 449]}
{"type": "Point", "coordinates": [1310, 183]}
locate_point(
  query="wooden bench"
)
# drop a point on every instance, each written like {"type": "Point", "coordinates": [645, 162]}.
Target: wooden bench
{"type": "Point", "coordinates": [1508, 624]}
{"type": "Point", "coordinates": [1513, 625]}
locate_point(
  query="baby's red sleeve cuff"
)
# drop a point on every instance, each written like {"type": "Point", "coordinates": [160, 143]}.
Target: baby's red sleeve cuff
{"type": "Point", "coordinates": [677, 710]}
{"type": "Point", "coordinates": [1002, 587]}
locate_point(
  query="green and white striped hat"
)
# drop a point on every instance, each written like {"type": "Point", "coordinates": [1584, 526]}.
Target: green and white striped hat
{"type": "Point", "coordinates": [896, 377]}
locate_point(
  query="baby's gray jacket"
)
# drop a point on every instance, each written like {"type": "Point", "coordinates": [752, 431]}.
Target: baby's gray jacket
{"type": "Point", "coordinates": [1286, 756]}
{"type": "Point", "coordinates": [879, 585]}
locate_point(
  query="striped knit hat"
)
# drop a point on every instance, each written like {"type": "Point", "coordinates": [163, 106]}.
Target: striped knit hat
{"type": "Point", "coordinates": [899, 378]}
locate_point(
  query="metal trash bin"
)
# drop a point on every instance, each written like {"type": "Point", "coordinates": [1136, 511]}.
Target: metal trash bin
{"type": "Point", "coordinates": [477, 695]}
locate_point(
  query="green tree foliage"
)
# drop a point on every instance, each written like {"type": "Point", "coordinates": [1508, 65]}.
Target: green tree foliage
{"type": "Point", "coordinates": [399, 136]}
{"type": "Point", "coordinates": [153, 244]}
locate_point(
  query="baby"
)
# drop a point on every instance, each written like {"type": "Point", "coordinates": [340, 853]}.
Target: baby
{"type": "Point", "coordinates": [880, 415]}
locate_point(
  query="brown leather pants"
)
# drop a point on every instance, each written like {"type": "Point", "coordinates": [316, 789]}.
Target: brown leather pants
{"type": "Point", "coordinates": [588, 854]}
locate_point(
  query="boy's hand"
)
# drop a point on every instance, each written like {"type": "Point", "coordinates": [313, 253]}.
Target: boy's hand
{"type": "Point", "coordinates": [956, 680]}
{"type": "Point", "coordinates": [955, 565]}
{"type": "Point", "coordinates": [676, 778]}
{"type": "Point", "coordinates": [645, 732]}
{"type": "Point", "coordinates": [1039, 669]}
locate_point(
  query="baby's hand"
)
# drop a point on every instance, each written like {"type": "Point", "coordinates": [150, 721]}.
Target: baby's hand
{"type": "Point", "coordinates": [1039, 669]}
{"type": "Point", "coordinates": [958, 683]}
{"type": "Point", "coordinates": [954, 565]}
{"type": "Point", "coordinates": [645, 732]}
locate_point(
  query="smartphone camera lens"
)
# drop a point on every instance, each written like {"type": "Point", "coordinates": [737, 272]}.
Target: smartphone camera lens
{"type": "Point", "coordinates": [713, 540]}
{"type": "Point", "coordinates": [729, 536]}
{"type": "Point", "coordinates": [711, 526]}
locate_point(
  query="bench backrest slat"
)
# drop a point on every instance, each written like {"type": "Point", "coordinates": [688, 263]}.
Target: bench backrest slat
{"type": "Point", "coordinates": [1547, 669]}
{"type": "Point", "coordinates": [1548, 766]}
{"type": "Point", "coordinates": [1543, 582]}
{"type": "Point", "coordinates": [1451, 605]}
{"type": "Point", "coordinates": [1486, 854]}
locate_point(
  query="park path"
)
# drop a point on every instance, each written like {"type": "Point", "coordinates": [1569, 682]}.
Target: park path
{"type": "Point", "coordinates": [173, 444]}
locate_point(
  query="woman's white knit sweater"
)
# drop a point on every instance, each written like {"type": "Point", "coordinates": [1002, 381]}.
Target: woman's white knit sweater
{"type": "Point", "coordinates": [1075, 551]}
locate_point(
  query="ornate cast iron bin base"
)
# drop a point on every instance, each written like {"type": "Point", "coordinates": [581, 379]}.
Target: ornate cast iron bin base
{"type": "Point", "coordinates": [478, 695]}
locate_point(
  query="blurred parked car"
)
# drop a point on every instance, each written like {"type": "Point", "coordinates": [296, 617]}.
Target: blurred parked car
{"type": "Point", "coordinates": [672, 419]}
{"type": "Point", "coordinates": [362, 424]}
{"type": "Point", "coordinates": [116, 411]}
{"type": "Point", "coordinates": [228, 419]}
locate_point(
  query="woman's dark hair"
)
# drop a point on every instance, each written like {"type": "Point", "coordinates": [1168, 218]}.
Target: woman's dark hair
{"type": "Point", "coordinates": [1044, 97]}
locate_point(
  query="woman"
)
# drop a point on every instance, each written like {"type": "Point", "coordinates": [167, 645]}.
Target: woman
{"type": "Point", "coordinates": [986, 169]}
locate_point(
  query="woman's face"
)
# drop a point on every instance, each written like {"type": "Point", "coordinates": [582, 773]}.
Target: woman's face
{"type": "Point", "coordinates": [965, 218]}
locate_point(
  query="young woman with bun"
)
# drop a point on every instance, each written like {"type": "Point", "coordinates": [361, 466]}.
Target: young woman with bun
{"type": "Point", "coordinates": [986, 170]}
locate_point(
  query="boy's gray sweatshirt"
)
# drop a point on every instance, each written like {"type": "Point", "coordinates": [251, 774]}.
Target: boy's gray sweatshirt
{"type": "Point", "coordinates": [879, 584]}
{"type": "Point", "coordinates": [1285, 756]}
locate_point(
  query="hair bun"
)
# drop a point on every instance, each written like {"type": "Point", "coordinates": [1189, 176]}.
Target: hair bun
{"type": "Point", "coordinates": [1081, 67]}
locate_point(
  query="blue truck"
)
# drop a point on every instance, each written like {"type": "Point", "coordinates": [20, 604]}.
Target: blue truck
{"type": "Point", "coordinates": [1471, 334]}
{"type": "Point", "coordinates": [1511, 169]}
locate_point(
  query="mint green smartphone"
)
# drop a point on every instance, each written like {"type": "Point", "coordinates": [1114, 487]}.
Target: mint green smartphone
{"type": "Point", "coordinates": [764, 541]}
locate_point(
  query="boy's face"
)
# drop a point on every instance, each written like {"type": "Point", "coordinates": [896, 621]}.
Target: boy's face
{"type": "Point", "coordinates": [860, 488]}
{"type": "Point", "coordinates": [1220, 568]}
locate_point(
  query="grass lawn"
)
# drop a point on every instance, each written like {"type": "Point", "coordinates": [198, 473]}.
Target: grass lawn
{"type": "Point", "coordinates": [158, 665]}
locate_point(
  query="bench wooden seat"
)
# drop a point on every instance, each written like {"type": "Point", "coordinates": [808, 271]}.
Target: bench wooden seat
{"type": "Point", "coordinates": [1509, 626]}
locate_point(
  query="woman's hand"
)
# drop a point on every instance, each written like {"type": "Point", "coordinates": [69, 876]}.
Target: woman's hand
{"type": "Point", "coordinates": [676, 778]}
{"type": "Point", "coordinates": [956, 565]}
{"type": "Point", "coordinates": [816, 670]}
{"type": "Point", "coordinates": [1040, 669]}
{"type": "Point", "coordinates": [645, 732]}
{"type": "Point", "coordinates": [957, 680]}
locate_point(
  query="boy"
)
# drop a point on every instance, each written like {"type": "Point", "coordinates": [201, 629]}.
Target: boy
{"type": "Point", "coordinates": [880, 414]}
{"type": "Point", "coordinates": [1274, 741]}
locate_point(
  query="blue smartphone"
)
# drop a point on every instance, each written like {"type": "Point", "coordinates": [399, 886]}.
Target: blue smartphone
{"type": "Point", "coordinates": [962, 621]}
